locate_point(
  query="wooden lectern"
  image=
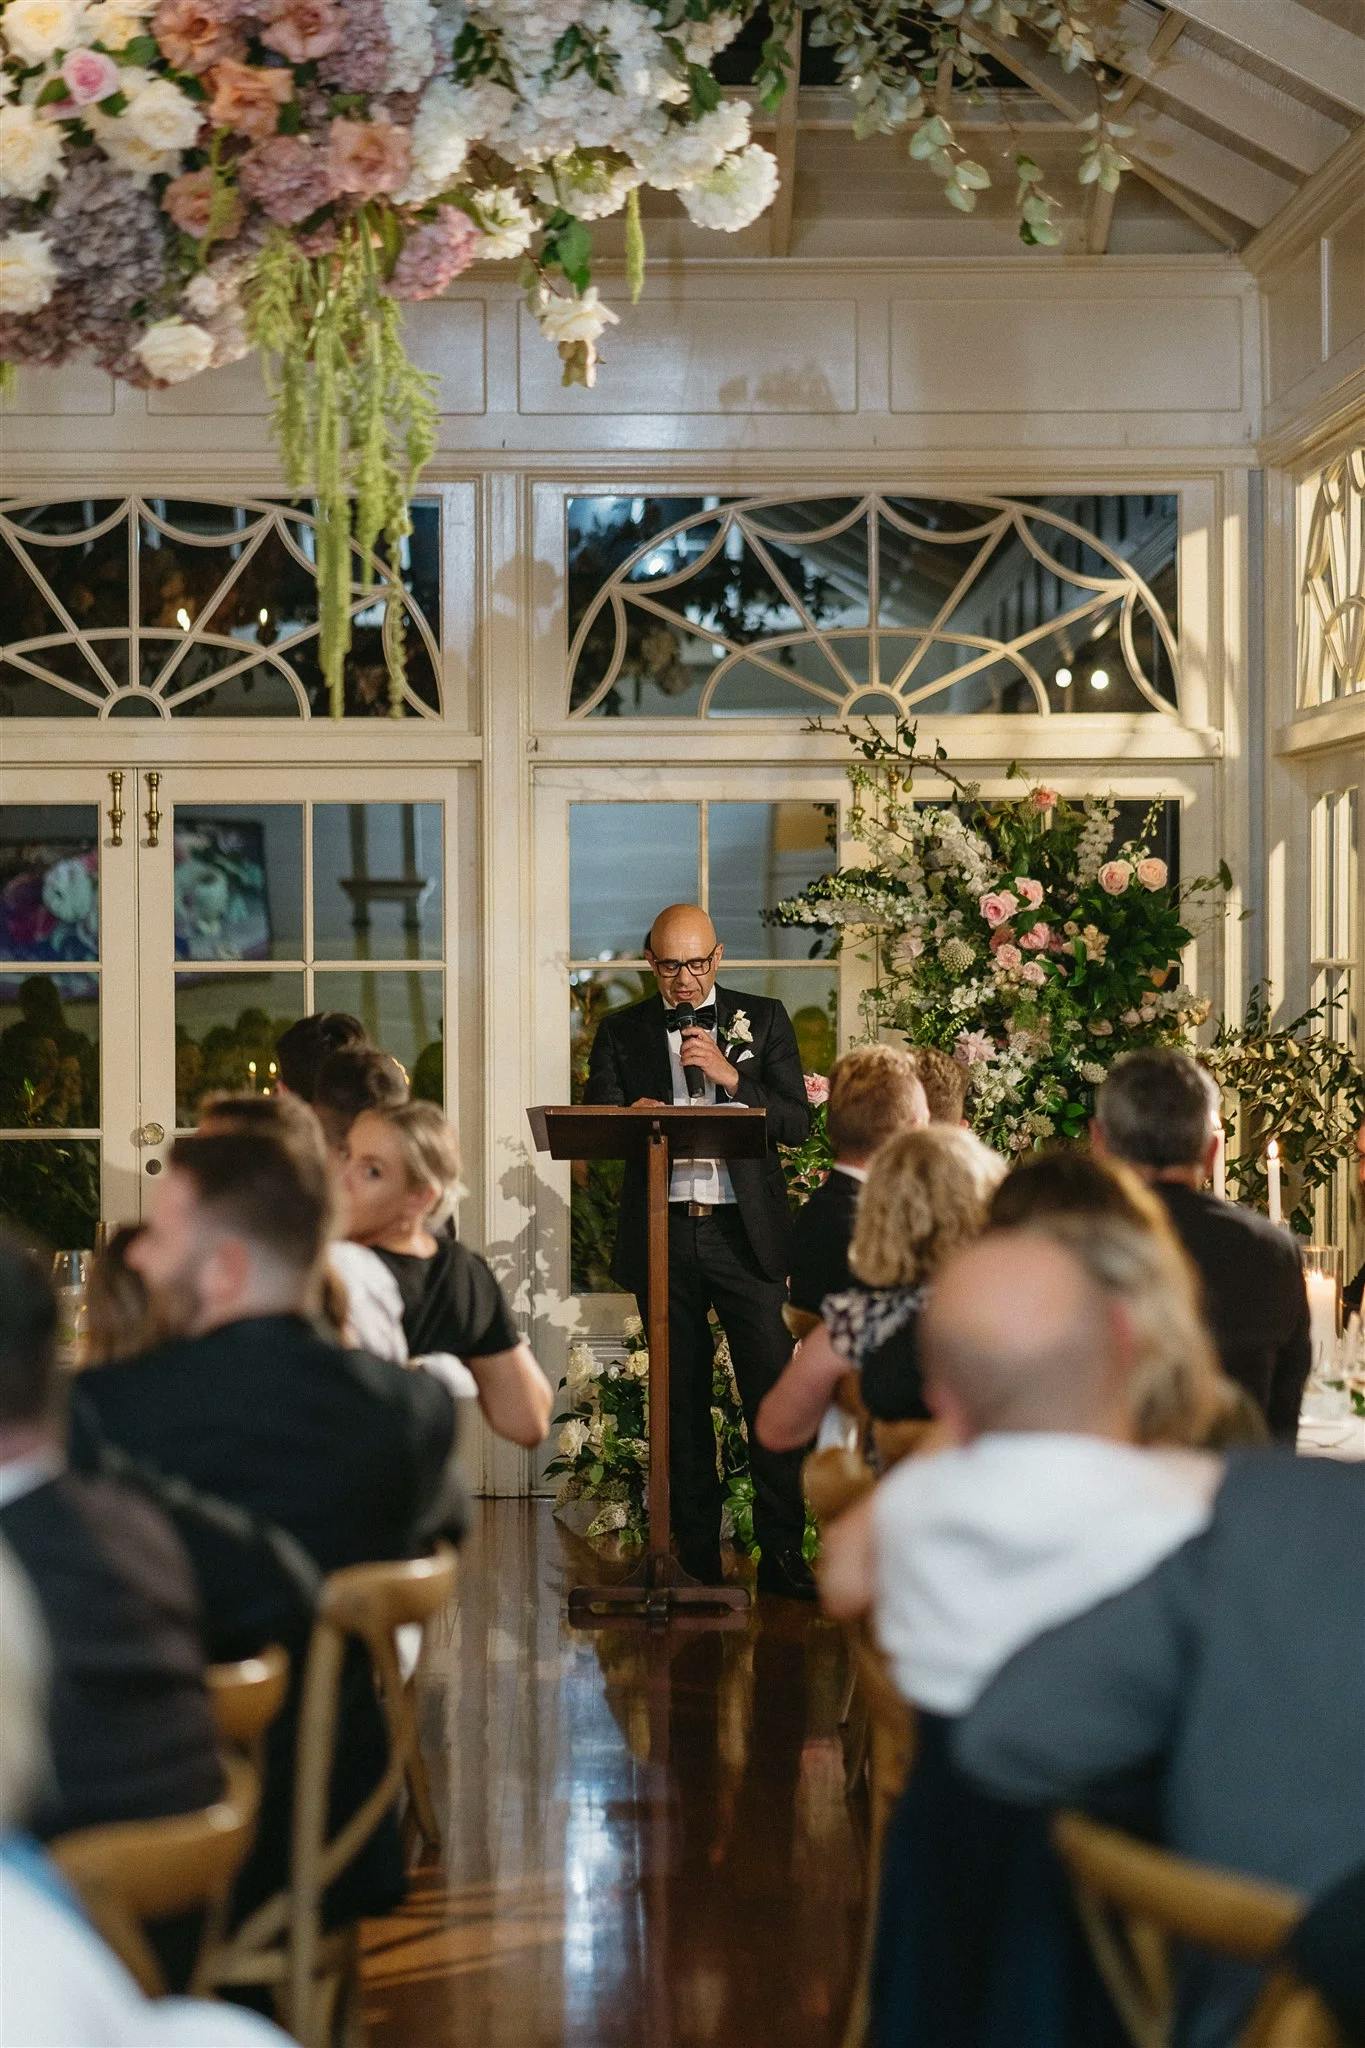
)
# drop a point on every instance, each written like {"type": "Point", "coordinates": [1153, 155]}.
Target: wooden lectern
{"type": "Point", "coordinates": [658, 1588]}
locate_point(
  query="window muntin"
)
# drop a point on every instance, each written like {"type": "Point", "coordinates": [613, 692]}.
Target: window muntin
{"type": "Point", "coordinates": [1331, 639]}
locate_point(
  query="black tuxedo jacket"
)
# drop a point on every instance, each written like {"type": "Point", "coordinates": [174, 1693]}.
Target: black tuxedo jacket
{"type": "Point", "coordinates": [821, 1235]}
{"type": "Point", "coordinates": [630, 1060]}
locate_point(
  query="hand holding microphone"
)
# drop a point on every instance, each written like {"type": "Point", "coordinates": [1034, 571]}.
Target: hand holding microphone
{"type": "Point", "coordinates": [685, 1020]}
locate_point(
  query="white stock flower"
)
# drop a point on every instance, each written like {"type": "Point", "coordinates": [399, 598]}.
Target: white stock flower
{"type": "Point", "coordinates": [30, 153]}
{"type": "Point", "coordinates": [28, 274]}
{"type": "Point", "coordinates": [733, 195]}
{"type": "Point", "coordinates": [36, 29]}
{"type": "Point", "coordinates": [573, 1437]}
{"type": "Point", "coordinates": [162, 117]}
{"type": "Point", "coordinates": [174, 350]}
{"type": "Point", "coordinates": [507, 224]}
{"type": "Point", "coordinates": [632, 1328]}
{"type": "Point", "coordinates": [581, 318]}
{"type": "Point", "coordinates": [689, 149]}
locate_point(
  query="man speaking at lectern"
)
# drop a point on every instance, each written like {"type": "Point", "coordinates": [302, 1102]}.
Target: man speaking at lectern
{"type": "Point", "coordinates": [729, 1233]}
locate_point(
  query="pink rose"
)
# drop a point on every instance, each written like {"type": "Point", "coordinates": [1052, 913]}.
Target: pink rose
{"type": "Point", "coordinates": [247, 98]}
{"type": "Point", "coordinates": [1115, 876]}
{"type": "Point", "coordinates": [973, 1048]}
{"type": "Point", "coordinates": [89, 76]}
{"type": "Point", "coordinates": [303, 29]}
{"type": "Point", "coordinates": [1152, 873]}
{"type": "Point", "coordinates": [1030, 892]}
{"type": "Point", "coordinates": [1003, 935]}
{"type": "Point", "coordinates": [367, 157]}
{"type": "Point", "coordinates": [196, 34]}
{"type": "Point", "coordinates": [1037, 938]}
{"type": "Point", "coordinates": [817, 1089]}
{"type": "Point", "coordinates": [1032, 973]}
{"type": "Point", "coordinates": [998, 906]}
{"type": "Point", "coordinates": [188, 200]}
{"type": "Point", "coordinates": [1007, 958]}
{"type": "Point", "coordinates": [1043, 799]}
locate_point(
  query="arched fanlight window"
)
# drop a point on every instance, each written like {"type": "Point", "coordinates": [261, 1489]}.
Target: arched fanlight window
{"type": "Point", "coordinates": [1332, 586]}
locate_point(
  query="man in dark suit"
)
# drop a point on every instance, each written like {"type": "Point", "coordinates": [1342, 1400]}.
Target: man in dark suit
{"type": "Point", "coordinates": [130, 1729]}
{"type": "Point", "coordinates": [1220, 1699]}
{"type": "Point", "coordinates": [729, 1227]}
{"type": "Point", "coordinates": [1158, 1111]}
{"type": "Point", "coordinates": [874, 1091]}
{"type": "Point", "coordinates": [348, 1454]}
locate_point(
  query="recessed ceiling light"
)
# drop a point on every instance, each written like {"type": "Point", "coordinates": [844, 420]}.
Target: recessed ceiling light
{"type": "Point", "coordinates": [1099, 679]}
{"type": "Point", "coordinates": [1063, 679]}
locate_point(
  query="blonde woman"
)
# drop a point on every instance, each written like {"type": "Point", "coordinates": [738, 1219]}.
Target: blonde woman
{"type": "Point", "coordinates": [926, 1194]}
{"type": "Point", "coordinates": [400, 1172]}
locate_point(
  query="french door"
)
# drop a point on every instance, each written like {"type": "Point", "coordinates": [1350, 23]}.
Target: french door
{"type": "Point", "coordinates": [160, 928]}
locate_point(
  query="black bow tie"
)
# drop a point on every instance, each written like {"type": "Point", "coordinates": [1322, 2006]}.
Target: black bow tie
{"type": "Point", "coordinates": [704, 1019]}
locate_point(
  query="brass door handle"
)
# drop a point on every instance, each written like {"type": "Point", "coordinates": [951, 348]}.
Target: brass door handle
{"type": "Point", "coordinates": [116, 807]}
{"type": "Point", "coordinates": [153, 809]}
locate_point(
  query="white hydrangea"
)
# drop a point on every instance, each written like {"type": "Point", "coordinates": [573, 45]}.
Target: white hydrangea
{"type": "Point", "coordinates": [30, 152]}
{"type": "Point", "coordinates": [732, 196]}
{"type": "Point", "coordinates": [507, 224]}
{"type": "Point", "coordinates": [411, 26]}
{"type": "Point", "coordinates": [585, 186]}
{"type": "Point", "coordinates": [688, 150]}
{"type": "Point", "coordinates": [440, 142]}
{"type": "Point", "coordinates": [173, 351]}
{"type": "Point", "coordinates": [28, 272]}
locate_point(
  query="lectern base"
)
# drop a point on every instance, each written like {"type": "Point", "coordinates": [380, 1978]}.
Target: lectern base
{"type": "Point", "coordinates": [658, 1592]}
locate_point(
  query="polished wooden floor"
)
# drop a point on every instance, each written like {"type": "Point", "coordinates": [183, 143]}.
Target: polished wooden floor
{"type": "Point", "coordinates": [646, 1837]}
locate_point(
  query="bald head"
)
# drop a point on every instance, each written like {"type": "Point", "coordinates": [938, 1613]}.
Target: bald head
{"type": "Point", "coordinates": [1016, 1336]}
{"type": "Point", "coordinates": [678, 935]}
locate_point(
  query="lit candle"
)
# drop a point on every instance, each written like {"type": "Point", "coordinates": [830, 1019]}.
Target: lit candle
{"type": "Point", "coordinates": [1322, 1316]}
{"type": "Point", "coordinates": [1220, 1164]}
{"type": "Point", "coordinates": [1272, 1176]}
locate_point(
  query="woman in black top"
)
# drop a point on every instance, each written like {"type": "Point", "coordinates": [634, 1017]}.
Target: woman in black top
{"type": "Point", "coordinates": [400, 1173]}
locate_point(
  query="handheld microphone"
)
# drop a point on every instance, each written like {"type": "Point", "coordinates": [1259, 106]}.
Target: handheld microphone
{"type": "Point", "coordinates": [684, 1018]}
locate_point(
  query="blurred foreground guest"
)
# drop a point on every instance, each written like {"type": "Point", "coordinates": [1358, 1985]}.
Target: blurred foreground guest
{"type": "Point", "coordinates": [925, 1194]}
{"type": "Point", "coordinates": [130, 1729]}
{"type": "Point", "coordinates": [1044, 1504]}
{"type": "Point", "coordinates": [873, 1093]}
{"type": "Point", "coordinates": [301, 1050]}
{"type": "Point", "coordinates": [1227, 1686]}
{"type": "Point", "coordinates": [349, 1454]}
{"type": "Point", "coordinates": [945, 1083]}
{"type": "Point", "coordinates": [351, 1081]}
{"type": "Point", "coordinates": [1181, 1395]}
{"type": "Point", "coordinates": [119, 1318]}
{"type": "Point", "coordinates": [1159, 1112]}
{"type": "Point", "coordinates": [400, 1177]}
{"type": "Point", "coordinates": [60, 1987]}
{"type": "Point", "coordinates": [1327, 1949]}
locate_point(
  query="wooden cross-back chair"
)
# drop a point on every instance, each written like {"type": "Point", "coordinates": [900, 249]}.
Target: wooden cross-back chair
{"type": "Point", "coordinates": [246, 1697]}
{"type": "Point", "coordinates": [1137, 1900]}
{"type": "Point", "coordinates": [132, 1874]}
{"type": "Point", "coordinates": [283, 1945]}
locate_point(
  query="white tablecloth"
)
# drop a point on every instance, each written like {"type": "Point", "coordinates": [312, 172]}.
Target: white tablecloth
{"type": "Point", "coordinates": [1341, 1437]}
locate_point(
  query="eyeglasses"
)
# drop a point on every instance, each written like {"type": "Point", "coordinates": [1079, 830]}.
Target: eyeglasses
{"type": "Point", "coordinates": [672, 967]}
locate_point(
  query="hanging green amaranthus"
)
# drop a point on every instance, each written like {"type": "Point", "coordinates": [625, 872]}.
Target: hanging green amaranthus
{"type": "Point", "coordinates": [355, 422]}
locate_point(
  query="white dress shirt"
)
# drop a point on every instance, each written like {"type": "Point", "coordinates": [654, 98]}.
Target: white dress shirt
{"type": "Point", "coordinates": [981, 1548]}
{"type": "Point", "coordinates": [698, 1180]}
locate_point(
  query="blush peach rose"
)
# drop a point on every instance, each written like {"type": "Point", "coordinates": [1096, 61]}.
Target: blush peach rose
{"type": "Point", "coordinates": [1115, 876]}
{"type": "Point", "coordinates": [367, 157]}
{"type": "Point", "coordinates": [195, 35]}
{"type": "Point", "coordinates": [188, 200]}
{"type": "Point", "coordinates": [1030, 892]}
{"type": "Point", "coordinates": [998, 906]}
{"type": "Point", "coordinates": [1152, 873]}
{"type": "Point", "coordinates": [303, 29]}
{"type": "Point", "coordinates": [247, 98]}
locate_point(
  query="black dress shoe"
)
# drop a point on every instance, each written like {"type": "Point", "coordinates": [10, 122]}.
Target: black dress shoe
{"type": "Point", "coordinates": [787, 1574]}
{"type": "Point", "coordinates": [703, 1564]}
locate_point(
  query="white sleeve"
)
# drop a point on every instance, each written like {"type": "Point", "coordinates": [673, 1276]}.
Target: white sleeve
{"type": "Point", "coordinates": [374, 1317]}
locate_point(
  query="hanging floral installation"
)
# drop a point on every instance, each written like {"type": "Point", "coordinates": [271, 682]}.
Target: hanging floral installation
{"type": "Point", "coordinates": [182, 181]}
{"type": "Point", "coordinates": [1011, 933]}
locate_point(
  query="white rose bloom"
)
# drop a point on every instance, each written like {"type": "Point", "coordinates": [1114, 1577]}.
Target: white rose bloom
{"type": "Point", "coordinates": [508, 224]}
{"type": "Point", "coordinates": [37, 29]}
{"type": "Point", "coordinates": [735, 193]}
{"type": "Point", "coordinates": [162, 117]}
{"type": "Point", "coordinates": [582, 318]}
{"type": "Point", "coordinates": [572, 1438]}
{"type": "Point", "coordinates": [30, 153]}
{"type": "Point", "coordinates": [28, 275]}
{"type": "Point", "coordinates": [175, 350]}
{"type": "Point", "coordinates": [127, 151]}
{"type": "Point", "coordinates": [115, 22]}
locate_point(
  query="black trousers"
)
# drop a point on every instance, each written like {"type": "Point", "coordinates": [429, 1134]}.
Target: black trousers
{"type": "Point", "coordinates": [710, 1266]}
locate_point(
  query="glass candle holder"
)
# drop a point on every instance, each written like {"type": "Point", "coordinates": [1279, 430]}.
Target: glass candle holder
{"type": "Point", "coordinates": [1324, 1268]}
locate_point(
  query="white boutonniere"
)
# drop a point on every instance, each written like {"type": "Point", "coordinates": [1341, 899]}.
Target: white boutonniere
{"type": "Point", "coordinates": [738, 1031]}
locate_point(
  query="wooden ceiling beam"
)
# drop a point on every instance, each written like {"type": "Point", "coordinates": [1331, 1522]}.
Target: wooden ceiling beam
{"type": "Point", "coordinates": [1296, 40]}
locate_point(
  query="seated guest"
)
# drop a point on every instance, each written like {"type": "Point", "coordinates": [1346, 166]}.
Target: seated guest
{"type": "Point", "coordinates": [301, 1050]}
{"type": "Point", "coordinates": [1327, 1950]}
{"type": "Point", "coordinates": [1044, 1504]}
{"type": "Point", "coordinates": [925, 1194]}
{"type": "Point", "coordinates": [59, 1983]}
{"type": "Point", "coordinates": [400, 1177]}
{"type": "Point", "coordinates": [1217, 1702]}
{"type": "Point", "coordinates": [130, 1729]}
{"type": "Point", "coordinates": [873, 1093]}
{"type": "Point", "coordinates": [1191, 1400]}
{"type": "Point", "coordinates": [944, 1080]}
{"type": "Point", "coordinates": [358, 1078]}
{"type": "Point", "coordinates": [119, 1318]}
{"type": "Point", "coordinates": [1158, 1111]}
{"type": "Point", "coordinates": [349, 1454]}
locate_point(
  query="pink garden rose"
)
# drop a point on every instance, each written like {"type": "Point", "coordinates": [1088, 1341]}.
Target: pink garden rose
{"type": "Point", "coordinates": [1115, 876]}
{"type": "Point", "coordinates": [1152, 873]}
{"type": "Point", "coordinates": [89, 76]}
{"type": "Point", "coordinates": [973, 1048]}
{"type": "Point", "coordinates": [1037, 938]}
{"type": "Point", "coordinates": [303, 29]}
{"type": "Point", "coordinates": [1043, 799]}
{"type": "Point", "coordinates": [998, 906]}
{"type": "Point", "coordinates": [188, 200]}
{"type": "Point", "coordinates": [1032, 973]}
{"type": "Point", "coordinates": [368, 157]}
{"type": "Point", "coordinates": [1030, 892]}
{"type": "Point", "coordinates": [247, 98]}
{"type": "Point", "coordinates": [817, 1089]}
{"type": "Point", "coordinates": [196, 34]}
{"type": "Point", "coordinates": [1007, 958]}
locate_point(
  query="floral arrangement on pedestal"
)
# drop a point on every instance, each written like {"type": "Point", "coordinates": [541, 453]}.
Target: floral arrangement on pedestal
{"type": "Point", "coordinates": [1010, 933]}
{"type": "Point", "coordinates": [184, 180]}
{"type": "Point", "coordinates": [602, 1454]}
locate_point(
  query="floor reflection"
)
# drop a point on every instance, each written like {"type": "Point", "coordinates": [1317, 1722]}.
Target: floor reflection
{"type": "Point", "coordinates": [646, 1840]}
